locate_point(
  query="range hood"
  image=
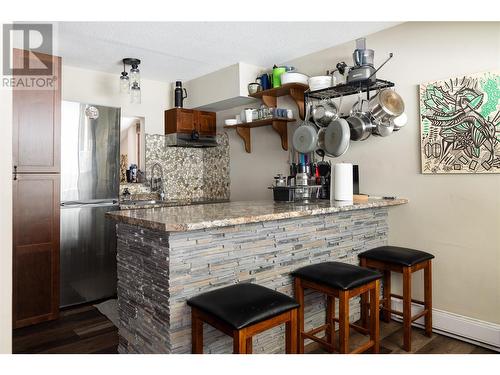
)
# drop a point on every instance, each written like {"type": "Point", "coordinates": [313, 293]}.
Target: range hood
{"type": "Point", "coordinates": [190, 140]}
{"type": "Point", "coordinates": [223, 89]}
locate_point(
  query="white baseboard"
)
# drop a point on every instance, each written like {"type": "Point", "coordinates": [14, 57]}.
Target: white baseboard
{"type": "Point", "coordinates": [461, 327]}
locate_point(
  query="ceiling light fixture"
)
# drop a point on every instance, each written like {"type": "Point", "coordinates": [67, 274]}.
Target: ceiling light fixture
{"type": "Point", "coordinates": [131, 83]}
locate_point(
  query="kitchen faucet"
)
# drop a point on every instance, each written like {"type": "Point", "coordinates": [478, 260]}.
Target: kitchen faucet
{"type": "Point", "coordinates": [157, 183]}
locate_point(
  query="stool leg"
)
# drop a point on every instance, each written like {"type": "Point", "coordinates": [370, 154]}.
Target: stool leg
{"type": "Point", "coordinates": [387, 297]}
{"type": "Point", "coordinates": [196, 333]}
{"type": "Point", "coordinates": [291, 333]}
{"type": "Point", "coordinates": [364, 302]}
{"type": "Point", "coordinates": [330, 314]}
{"type": "Point", "coordinates": [428, 298]}
{"type": "Point", "coordinates": [374, 316]}
{"type": "Point", "coordinates": [239, 342]}
{"type": "Point", "coordinates": [299, 297]}
{"type": "Point", "coordinates": [407, 308]}
{"type": "Point", "coordinates": [344, 322]}
{"type": "Point", "coordinates": [249, 345]}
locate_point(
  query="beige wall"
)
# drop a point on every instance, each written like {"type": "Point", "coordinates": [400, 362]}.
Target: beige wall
{"type": "Point", "coordinates": [457, 217]}
{"type": "Point", "coordinates": [6, 220]}
{"type": "Point", "coordinates": [91, 86]}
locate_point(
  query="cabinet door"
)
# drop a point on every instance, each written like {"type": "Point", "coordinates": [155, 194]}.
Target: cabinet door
{"type": "Point", "coordinates": [179, 120]}
{"type": "Point", "coordinates": [36, 123]}
{"type": "Point", "coordinates": [185, 121]}
{"type": "Point", "coordinates": [36, 248]}
{"type": "Point", "coordinates": [206, 122]}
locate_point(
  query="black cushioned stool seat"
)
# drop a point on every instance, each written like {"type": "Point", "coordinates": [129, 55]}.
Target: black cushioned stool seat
{"type": "Point", "coordinates": [242, 311]}
{"type": "Point", "coordinates": [397, 255]}
{"type": "Point", "coordinates": [243, 304]}
{"type": "Point", "coordinates": [337, 275]}
{"type": "Point", "coordinates": [388, 259]}
{"type": "Point", "coordinates": [340, 281]}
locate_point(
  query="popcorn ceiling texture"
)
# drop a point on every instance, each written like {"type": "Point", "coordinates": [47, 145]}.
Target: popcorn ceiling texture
{"type": "Point", "coordinates": [190, 173]}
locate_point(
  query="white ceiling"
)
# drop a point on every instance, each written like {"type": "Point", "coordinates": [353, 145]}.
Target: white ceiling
{"type": "Point", "coordinates": [186, 50]}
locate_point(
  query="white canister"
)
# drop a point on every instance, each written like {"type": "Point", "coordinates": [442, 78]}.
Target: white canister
{"type": "Point", "coordinates": [289, 113]}
{"type": "Point", "coordinates": [248, 115]}
{"type": "Point", "coordinates": [342, 186]}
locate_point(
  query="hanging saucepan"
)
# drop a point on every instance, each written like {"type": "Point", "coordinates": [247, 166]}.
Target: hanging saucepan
{"type": "Point", "coordinates": [360, 126]}
{"type": "Point", "coordinates": [386, 105]}
{"type": "Point", "coordinates": [400, 121]}
{"type": "Point", "coordinates": [321, 139]}
{"type": "Point", "coordinates": [324, 113]}
{"type": "Point", "coordinates": [360, 123]}
{"type": "Point", "coordinates": [382, 129]}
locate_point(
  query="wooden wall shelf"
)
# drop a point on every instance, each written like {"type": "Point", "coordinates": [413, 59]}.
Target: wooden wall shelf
{"type": "Point", "coordinates": [278, 124]}
{"type": "Point", "coordinates": [295, 90]}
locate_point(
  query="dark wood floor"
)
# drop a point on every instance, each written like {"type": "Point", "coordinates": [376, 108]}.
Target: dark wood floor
{"type": "Point", "coordinates": [391, 341]}
{"type": "Point", "coordinates": [84, 330]}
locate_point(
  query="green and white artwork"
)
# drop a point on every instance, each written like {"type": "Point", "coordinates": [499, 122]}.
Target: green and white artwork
{"type": "Point", "coordinates": [460, 124]}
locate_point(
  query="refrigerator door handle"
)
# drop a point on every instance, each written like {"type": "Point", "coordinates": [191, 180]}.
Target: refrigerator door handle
{"type": "Point", "coordinates": [75, 204]}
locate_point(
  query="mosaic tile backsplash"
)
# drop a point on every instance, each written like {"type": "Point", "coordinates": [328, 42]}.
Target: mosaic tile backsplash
{"type": "Point", "coordinates": [190, 173]}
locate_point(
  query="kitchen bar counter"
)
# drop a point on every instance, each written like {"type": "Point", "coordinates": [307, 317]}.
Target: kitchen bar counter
{"type": "Point", "coordinates": [155, 202]}
{"type": "Point", "coordinates": [168, 255]}
{"type": "Point", "coordinates": [195, 217]}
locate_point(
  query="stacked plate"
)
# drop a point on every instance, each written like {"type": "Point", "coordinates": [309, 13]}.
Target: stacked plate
{"type": "Point", "coordinates": [320, 82]}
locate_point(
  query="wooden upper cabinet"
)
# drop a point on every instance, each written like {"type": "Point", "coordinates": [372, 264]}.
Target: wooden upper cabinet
{"type": "Point", "coordinates": [36, 123]}
{"type": "Point", "coordinates": [181, 120]}
{"type": "Point", "coordinates": [36, 248]}
{"type": "Point", "coordinates": [206, 123]}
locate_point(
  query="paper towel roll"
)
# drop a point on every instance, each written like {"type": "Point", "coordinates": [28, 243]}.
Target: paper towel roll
{"type": "Point", "coordinates": [342, 182]}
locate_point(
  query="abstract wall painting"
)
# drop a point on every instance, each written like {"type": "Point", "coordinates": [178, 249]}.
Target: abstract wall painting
{"type": "Point", "coordinates": [460, 124]}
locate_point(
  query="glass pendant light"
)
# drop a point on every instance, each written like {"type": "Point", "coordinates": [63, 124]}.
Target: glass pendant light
{"type": "Point", "coordinates": [131, 83]}
{"type": "Point", "coordinates": [135, 93]}
{"type": "Point", "coordinates": [124, 83]}
{"type": "Point", "coordinates": [135, 75]}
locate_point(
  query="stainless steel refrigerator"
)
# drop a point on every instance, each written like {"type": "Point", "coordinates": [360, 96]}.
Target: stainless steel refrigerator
{"type": "Point", "coordinates": [90, 169]}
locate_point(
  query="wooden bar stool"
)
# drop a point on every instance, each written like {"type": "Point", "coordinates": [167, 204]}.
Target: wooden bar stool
{"type": "Point", "coordinates": [343, 281]}
{"type": "Point", "coordinates": [406, 261]}
{"type": "Point", "coordinates": [242, 311]}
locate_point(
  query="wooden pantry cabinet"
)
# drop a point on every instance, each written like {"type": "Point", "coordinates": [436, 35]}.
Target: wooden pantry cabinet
{"type": "Point", "coordinates": [181, 120]}
{"type": "Point", "coordinates": [36, 198]}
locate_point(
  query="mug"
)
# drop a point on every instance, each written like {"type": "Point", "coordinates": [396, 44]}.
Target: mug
{"type": "Point", "coordinates": [248, 115]}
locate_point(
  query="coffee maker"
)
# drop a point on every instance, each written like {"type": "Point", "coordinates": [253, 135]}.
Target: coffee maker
{"type": "Point", "coordinates": [324, 169]}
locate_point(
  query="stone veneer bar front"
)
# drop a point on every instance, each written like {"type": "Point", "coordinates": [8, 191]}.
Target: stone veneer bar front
{"type": "Point", "coordinates": [167, 255]}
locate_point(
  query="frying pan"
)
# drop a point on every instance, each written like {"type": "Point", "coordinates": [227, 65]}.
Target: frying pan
{"type": "Point", "coordinates": [337, 138]}
{"type": "Point", "coordinates": [305, 138]}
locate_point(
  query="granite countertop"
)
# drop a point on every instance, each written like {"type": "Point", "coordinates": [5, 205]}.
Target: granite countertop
{"type": "Point", "coordinates": [196, 217]}
{"type": "Point", "coordinates": [154, 202]}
